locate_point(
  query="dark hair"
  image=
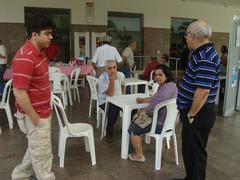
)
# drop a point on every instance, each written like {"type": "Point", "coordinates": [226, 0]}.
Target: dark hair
{"type": "Point", "coordinates": [166, 57]}
{"type": "Point", "coordinates": [166, 70]}
{"type": "Point", "coordinates": [37, 23]}
{"type": "Point", "coordinates": [224, 49]}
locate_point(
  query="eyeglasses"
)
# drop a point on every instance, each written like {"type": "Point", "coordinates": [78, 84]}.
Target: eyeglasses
{"type": "Point", "coordinates": [113, 67]}
{"type": "Point", "coordinates": [185, 35]}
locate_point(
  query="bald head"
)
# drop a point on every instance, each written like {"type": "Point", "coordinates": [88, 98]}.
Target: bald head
{"type": "Point", "coordinates": [200, 29]}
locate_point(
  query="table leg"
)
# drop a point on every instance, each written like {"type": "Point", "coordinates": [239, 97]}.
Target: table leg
{"type": "Point", "coordinates": [125, 135]}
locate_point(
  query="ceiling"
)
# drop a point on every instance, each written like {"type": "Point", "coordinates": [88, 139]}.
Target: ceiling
{"type": "Point", "coordinates": [226, 3]}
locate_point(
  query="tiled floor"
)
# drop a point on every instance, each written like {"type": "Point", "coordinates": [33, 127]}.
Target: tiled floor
{"type": "Point", "coordinates": [223, 151]}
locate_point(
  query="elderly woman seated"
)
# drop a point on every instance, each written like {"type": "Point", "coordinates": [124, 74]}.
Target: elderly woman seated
{"type": "Point", "coordinates": [167, 90]}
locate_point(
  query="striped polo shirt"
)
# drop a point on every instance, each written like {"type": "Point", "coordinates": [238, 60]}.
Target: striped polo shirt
{"type": "Point", "coordinates": [30, 72]}
{"type": "Point", "coordinates": [202, 72]}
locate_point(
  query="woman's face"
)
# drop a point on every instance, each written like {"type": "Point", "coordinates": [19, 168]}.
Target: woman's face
{"type": "Point", "coordinates": [160, 77]}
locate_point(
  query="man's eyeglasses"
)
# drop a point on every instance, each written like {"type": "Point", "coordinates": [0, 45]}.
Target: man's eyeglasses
{"type": "Point", "coordinates": [185, 35]}
{"type": "Point", "coordinates": [113, 67]}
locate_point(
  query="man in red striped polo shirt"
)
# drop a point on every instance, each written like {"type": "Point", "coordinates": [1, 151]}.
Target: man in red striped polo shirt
{"type": "Point", "coordinates": [32, 90]}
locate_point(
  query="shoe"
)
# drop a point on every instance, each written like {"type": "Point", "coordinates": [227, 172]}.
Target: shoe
{"type": "Point", "coordinates": [130, 156]}
{"type": "Point", "coordinates": [33, 177]}
{"type": "Point", "coordinates": [109, 139]}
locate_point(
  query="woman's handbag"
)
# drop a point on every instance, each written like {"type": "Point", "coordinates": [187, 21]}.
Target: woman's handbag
{"type": "Point", "coordinates": [142, 119]}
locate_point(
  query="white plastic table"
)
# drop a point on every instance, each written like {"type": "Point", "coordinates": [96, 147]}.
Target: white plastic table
{"type": "Point", "coordinates": [127, 103]}
{"type": "Point", "coordinates": [135, 82]}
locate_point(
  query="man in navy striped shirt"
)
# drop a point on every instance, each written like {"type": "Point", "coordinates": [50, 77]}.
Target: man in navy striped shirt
{"type": "Point", "coordinates": [196, 96]}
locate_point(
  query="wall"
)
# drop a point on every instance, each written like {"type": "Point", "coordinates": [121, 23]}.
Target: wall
{"type": "Point", "coordinates": [157, 18]}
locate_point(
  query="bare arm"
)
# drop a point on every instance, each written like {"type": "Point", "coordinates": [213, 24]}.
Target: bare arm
{"type": "Point", "coordinates": [24, 101]}
{"type": "Point", "coordinates": [199, 99]}
{"type": "Point", "coordinates": [110, 89]}
{"type": "Point", "coordinates": [2, 56]}
{"type": "Point", "coordinates": [144, 100]}
{"type": "Point", "coordinates": [123, 89]}
{"type": "Point", "coordinates": [94, 66]}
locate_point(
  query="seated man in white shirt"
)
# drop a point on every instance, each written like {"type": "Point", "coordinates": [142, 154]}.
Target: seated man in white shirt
{"type": "Point", "coordinates": [110, 83]}
{"type": "Point", "coordinates": [103, 53]}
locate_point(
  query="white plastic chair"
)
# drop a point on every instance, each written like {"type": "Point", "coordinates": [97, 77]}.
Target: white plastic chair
{"type": "Point", "coordinates": [168, 130]}
{"type": "Point", "coordinates": [59, 85]}
{"type": "Point", "coordinates": [154, 87]}
{"type": "Point", "coordinates": [52, 69]}
{"type": "Point", "coordinates": [74, 82]}
{"type": "Point", "coordinates": [67, 129]}
{"type": "Point", "coordinates": [93, 81]}
{"type": "Point", "coordinates": [4, 104]}
{"type": "Point", "coordinates": [151, 75]}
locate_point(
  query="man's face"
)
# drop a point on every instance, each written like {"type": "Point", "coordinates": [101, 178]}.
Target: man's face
{"type": "Point", "coordinates": [44, 38]}
{"type": "Point", "coordinates": [111, 68]}
{"type": "Point", "coordinates": [133, 45]}
{"type": "Point", "coordinates": [189, 37]}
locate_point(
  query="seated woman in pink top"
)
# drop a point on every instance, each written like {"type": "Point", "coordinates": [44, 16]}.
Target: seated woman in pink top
{"type": "Point", "coordinates": [167, 90]}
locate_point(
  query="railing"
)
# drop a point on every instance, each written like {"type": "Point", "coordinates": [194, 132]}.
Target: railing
{"type": "Point", "coordinates": [140, 61]}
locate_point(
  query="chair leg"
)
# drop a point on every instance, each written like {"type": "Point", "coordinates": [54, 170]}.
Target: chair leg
{"type": "Point", "coordinates": [74, 94]}
{"type": "Point", "coordinates": [175, 148]}
{"type": "Point", "coordinates": [64, 100]}
{"type": "Point", "coordinates": [59, 143]}
{"type": "Point", "coordinates": [78, 96]}
{"type": "Point", "coordinates": [98, 117]}
{"type": "Point", "coordinates": [103, 125]}
{"type": "Point", "coordinates": [168, 142]}
{"type": "Point", "coordinates": [147, 139]}
{"type": "Point", "coordinates": [9, 116]}
{"type": "Point", "coordinates": [0, 130]}
{"type": "Point", "coordinates": [86, 142]}
{"type": "Point", "coordinates": [62, 152]}
{"type": "Point", "coordinates": [92, 147]}
{"type": "Point", "coordinates": [158, 153]}
{"type": "Point", "coordinates": [90, 108]}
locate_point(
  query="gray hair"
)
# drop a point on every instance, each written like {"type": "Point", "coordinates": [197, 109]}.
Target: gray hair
{"type": "Point", "coordinates": [109, 61]}
{"type": "Point", "coordinates": [200, 29]}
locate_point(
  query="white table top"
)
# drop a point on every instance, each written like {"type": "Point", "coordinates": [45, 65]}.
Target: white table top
{"type": "Point", "coordinates": [134, 81]}
{"type": "Point", "coordinates": [128, 100]}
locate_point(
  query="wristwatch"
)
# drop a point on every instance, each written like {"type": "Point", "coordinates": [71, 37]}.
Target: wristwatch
{"type": "Point", "coordinates": [190, 117]}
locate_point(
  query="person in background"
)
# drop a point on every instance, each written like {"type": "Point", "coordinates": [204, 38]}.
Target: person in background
{"type": "Point", "coordinates": [128, 59]}
{"type": "Point", "coordinates": [196, 98]}
{"type": "Point", "coordinates": [103, 53]}
{"type": "Point", "coordinates": [3, 63]}
{"type": "Point", "coordinates": [110, 83]}
{"type": "Point", "coordinates": [224, 55]}
{"type": "Point", "coordinates": [167, 89]}
{"type": "Point", "coordinates": [164, 59]}
{"type": "Point", "coordinates": [52, 52]}
{"type": "Point", "coordinates": [150, 67]}
{"type": "Point", "coordinates": [32, 90]}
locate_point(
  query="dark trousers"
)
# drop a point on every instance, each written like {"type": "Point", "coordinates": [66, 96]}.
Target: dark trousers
{"type": "Point", "coordinates": [194, 141]}
{"type": "Point", "coordinates": [2, 70]}
{"type": "Point", "coordinates": [112, 115]}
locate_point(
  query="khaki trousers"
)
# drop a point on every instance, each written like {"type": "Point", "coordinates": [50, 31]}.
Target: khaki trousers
{"type": "Point", "coordinates": [38, 157]}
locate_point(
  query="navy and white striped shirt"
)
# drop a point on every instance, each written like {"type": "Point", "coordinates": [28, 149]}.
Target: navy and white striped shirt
{"type": "Point", "coordinates": [202, 72]}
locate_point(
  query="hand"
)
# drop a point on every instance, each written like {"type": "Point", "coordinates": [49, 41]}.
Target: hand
{"type": "Point", "coordinates": [139, 100]}
{"type": "Point", "coordinates": [113, 76]}
{"type": "Point", "coordinates": [35, 120]}
{"type": "Point", "coordinates": [190, 118]}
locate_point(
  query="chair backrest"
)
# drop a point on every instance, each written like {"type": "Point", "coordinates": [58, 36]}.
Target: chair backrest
{"type": "Point", "coordinates": [93, 81]}
{"type": "Point", "coordinates": [52, 69]}
{"type": "Point", "coordinates": [151, 75]}
{"type": "Point", "coordinates": [153, 86]}
{"type": "Point", "coordinates": [59, 110]}
{"type": "Point", "coordinates": [171, 117]}
{"type": "Point", "coordinates": [6, 93]}
{"type": "Point", "coordinates": [74, 76]}
{"type": "Point", "coordinates": [59, 82]}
